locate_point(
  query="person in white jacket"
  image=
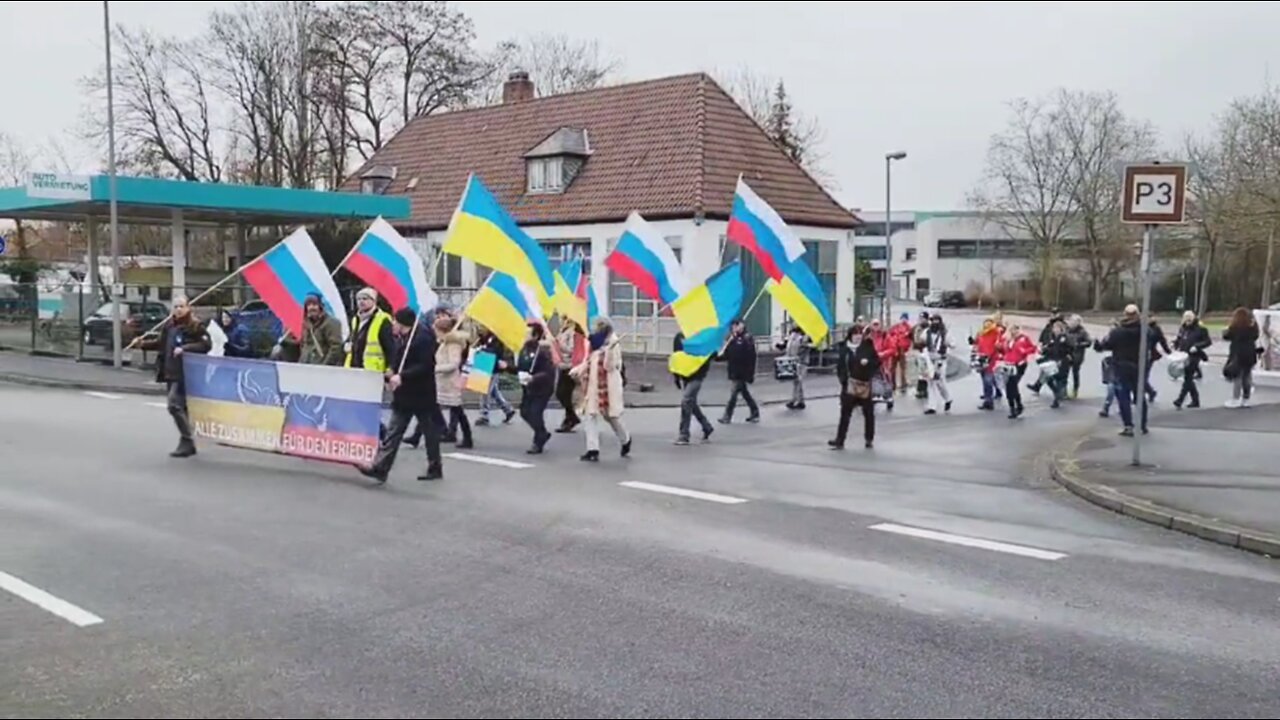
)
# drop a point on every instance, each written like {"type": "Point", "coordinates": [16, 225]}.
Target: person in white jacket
{"type": "Point", "coordinates": [936, 346]}
{"type": "Point", "coordinates": [600, 377]}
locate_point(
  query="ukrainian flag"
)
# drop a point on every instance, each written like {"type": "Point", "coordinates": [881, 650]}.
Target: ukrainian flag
{"type": "Point", "coordinates": [483, 232]}
{"type": "Point", "coordinates": [571, 290]}
{"type": "Point", "coordinates": [713, 304]}
{"type": "Point", "coordinates": [801, 295]}
{"type": "Point", "coordinates": [502, 306]}
{"type": "Point", "coordinates": [698, 350]}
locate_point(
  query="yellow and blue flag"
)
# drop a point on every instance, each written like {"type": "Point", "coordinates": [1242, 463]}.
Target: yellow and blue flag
{"type": "Point", "coordinates": [482, 231]}
{"type": "Point", "coordinates": [801, 295]}
{"type": "Point", "coordinates": [713, 304]}
{"type": "Point", "coordinates": [698, 350]}
{"type": "Point", "coordinates": [506, 308]}
{"type": "Point", "coordinates": [571, 293]}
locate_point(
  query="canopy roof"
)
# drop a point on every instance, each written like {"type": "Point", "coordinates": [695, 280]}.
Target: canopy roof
{"type": "Point", "coordinates": [154, 201]}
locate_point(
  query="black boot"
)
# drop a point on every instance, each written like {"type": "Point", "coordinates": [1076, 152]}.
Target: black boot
{"type": "Point", "coordinates": [626, 448]}
{"type": "Point", "coordinates": [434, 472]}
{"type": "Point", "coordinates": [186, 448]}
{"type": "Point", "coordinates": [591, 456]}
{"type": "Point", "coordinates": [466, 444]}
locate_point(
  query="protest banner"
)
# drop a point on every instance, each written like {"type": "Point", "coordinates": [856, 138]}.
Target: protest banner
{"type": "Point", "coordinates": [309, 411]}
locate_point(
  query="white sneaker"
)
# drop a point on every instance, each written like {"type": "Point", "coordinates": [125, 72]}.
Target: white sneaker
{"type": "Point", "coordinates": [1233, 404]}
{"type": "Point", "coordinates": [1244, 403]}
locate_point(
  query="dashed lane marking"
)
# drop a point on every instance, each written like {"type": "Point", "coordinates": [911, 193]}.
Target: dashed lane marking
{"type": "Point", "coordinates": [682, 492]}
{"type": "Point", "coordinates": [103, 396]}
{"type": "Point", "coordinates": [483, 460]}
{"type": "Point", "coordinates": [992, 545]}
{"type": "Point", "coordinates": [75, 615]}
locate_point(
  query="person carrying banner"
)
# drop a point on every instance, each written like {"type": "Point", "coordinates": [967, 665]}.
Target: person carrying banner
{"type": "Point", "coordinates": [372, 340]}
{"type": "Point", "coordinates": [184, 333]}
{"type": "Point", "coordinates": [321, 335]}
{"type": "Point", "coordinates": [412, 380]}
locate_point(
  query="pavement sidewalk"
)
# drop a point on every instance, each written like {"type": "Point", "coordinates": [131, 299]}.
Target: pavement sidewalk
{"type": "Point", "coordinates": [25, 369]}
{"type": "Point", "coordinates": [1210, 473]}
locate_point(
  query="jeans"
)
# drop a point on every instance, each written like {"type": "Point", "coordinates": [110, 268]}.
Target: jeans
{"type": "Point", "coordinates": [1126, 391]}
{"type": "Point", "coordinates": [1012, 390]}
{"type": "Point", "coordinates": [988, 387]}
{"type": "Point", "coordinates": [532, 411]}
{"type": "Point", "coordinates": [493, 399]}
{"type": "Point", "coordinates": [177, 403]}
{"type": "Point", "coordinates": [1112, 389]}
{"type": "Point", "coordinates": [1189, 387]}
{"type": "Point", "coordinates": [741, 387]}
{"type": "Point", "coordinates": [847, 404]}
{"type": "Point", "coordinates": [689, 409]}
{"type": "Point", "coordinates": [564, 393]}
{"type": "Point", "coordinates": [1242, 386]}
{"type": "Point", "coordinates": [389, 446]}
{"type": "Point", "coordinates": [593, 431]}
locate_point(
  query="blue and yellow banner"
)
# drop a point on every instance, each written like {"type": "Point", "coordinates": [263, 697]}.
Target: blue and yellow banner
{"type": "Point", "coordinates": [801, 295]}
{"type": "Point", "coordinates": [310, 411]}
{"type": "Point", "coordinates": [484, 232]}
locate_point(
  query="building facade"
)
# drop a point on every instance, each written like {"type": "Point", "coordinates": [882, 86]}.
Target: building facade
{"type": "Point", "coordinates": [571, 168]}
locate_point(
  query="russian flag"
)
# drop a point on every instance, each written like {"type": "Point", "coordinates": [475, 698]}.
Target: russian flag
{"type": "Point", "coordinates": [760, 230]}
{"type": "Point", "coordinates": [386, 262]}
{"type": "Point", "coordinates": [287, 273]}
{"type": "Point", "coordinates": [647, 261]}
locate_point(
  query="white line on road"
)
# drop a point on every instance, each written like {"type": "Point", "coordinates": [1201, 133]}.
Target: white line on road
{"type": "Point", "coordinates": [162, 406]}
{"type": "Point", "coordinates": [695, 494]}
{"type": "Point", "coordinates": [499, 462]}
{"type": "Point", "coordinates": [103, 396]}
{"type": "Point", "coordinates": [970, 542]}
{"type": "Point", "coordinates": [34, 595]}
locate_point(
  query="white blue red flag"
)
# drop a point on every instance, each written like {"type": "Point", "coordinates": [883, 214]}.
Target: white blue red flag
{"type": "Point", "coordinates": [286, 274]}
{"type": "Point", "coordinates": [755, 226]}
{"type": "Point", "coordinates": [385, 261]}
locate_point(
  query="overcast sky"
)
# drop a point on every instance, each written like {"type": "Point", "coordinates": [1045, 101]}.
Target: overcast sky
{"type": "Point", "coordinates": [931, 78]}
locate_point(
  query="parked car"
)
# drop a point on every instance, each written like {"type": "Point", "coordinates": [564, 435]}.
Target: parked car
{"type": "Point", "coordinates": [138, 317]}
{"type": "Point", "coordinates": [945, 299]}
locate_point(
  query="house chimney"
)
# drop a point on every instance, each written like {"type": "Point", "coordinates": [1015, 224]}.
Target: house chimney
{"type": "Point", "coordinates": [517, 88]}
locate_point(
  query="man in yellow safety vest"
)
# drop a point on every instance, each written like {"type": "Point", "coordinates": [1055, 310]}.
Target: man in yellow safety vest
{"type": "Point", "coordinates": [372, 340]}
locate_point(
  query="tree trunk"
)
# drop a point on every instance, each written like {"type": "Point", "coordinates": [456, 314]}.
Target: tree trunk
{"type": "Point", "coordinates": [1266, 271]}
{"type": "Point", "coordinates": [1202, 300]}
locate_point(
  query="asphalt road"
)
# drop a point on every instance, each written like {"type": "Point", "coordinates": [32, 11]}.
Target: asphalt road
{"type": "Point", "coordinates": [241, 584]}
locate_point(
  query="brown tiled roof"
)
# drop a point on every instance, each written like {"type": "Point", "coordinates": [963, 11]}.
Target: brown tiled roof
{"type": "Point", "coordinates": [668, 148]}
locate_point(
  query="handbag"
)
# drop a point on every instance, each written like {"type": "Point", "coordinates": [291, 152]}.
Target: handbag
{"type": "Point", "coordinates": [859, 389]}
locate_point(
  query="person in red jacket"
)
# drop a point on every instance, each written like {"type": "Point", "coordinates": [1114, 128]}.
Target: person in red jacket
{"type": "Point", "coordinates": [1015, 350]}
{"type": "Point", "coordinates": [984, 348]}
{"type": "Point", "coordinates": [886, 345]}
{"type": "Point", "coordinates": [901, 336]}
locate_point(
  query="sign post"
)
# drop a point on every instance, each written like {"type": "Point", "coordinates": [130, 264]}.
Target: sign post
{"type": "Point", "coordinates": [1154, 194]}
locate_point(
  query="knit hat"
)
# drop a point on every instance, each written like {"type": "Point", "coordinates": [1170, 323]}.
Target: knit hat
{"type": "Point", "coordinates": [367, 293]}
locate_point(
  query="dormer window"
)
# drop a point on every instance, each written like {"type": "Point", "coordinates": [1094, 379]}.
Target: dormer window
{"type": "Point", "coordinates": [546, 174]}
{"type": "Point", "coordinates": [553, 164]}
{"type": "Point", "coordinates": [377, 179]}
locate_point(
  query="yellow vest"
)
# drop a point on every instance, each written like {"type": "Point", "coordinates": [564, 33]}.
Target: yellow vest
{"type": "Point", "coordinates": [374, 359]}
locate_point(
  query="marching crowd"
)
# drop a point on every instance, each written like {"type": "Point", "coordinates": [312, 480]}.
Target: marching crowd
{"type": "Point", "coordinates": [423, 361]}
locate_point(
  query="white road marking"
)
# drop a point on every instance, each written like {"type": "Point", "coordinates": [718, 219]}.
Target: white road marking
{"type": "Point", "coordinates": [970, 542]}
{"type": "Point", "coordinates": [162, 406]}
{"type": "Point", "coordinates": [41, 599]}
{"type": "Point", "coordinates": [499, 462]}
{"type": "Point", "coordinates": [103, 396]}
{"type": "Point", "coordinates": [695, 494]}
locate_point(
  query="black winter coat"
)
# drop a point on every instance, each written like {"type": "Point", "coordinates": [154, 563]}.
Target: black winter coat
{"type": "Point", "coordinates": [1060, 348]}
{"type": "Point", "coordinates": [1124, 342]}
{"type": "Point", "coordinates": [741, 356]}
{"type": "Point", "coordinates": [1244, 345]}
{"type": "Point", "coordinates": [1193, 340]}
{"type": "Point", "coordinates": [851, 366]}
{"type": "Point", "coordinates": [535, 359]}
{"type": "Point", "coordinates": [677, 346]}
{"type": "Point", "coordinates": [417, 389]}
{"type": "Point", "coordinates": [192, 337]}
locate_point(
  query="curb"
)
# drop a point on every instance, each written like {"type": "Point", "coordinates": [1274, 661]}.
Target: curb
{"type": "Point", "coordinates": [1063, 470]}
{"type": "Point", "coordinates": [20, 379]}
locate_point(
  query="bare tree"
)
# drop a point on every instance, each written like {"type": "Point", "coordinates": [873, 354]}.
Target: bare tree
{"type": "Point", "coordinates": [557, 64]}
{"type": "Point", "coordinates": [15, 166]}
{"type": "Point", "coordinates": [1028, 187]}
{"type": "Point", "coordinates": [765, 99]}
{"type": "Point", "coordinates": [164, 113]}
{"type": "Point", "coordinates": [1100, 138]}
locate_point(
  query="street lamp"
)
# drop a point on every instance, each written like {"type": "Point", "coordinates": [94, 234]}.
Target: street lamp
{"type": "Point", "coordinates": [117, 353]}
{"type": "Point", "coordinates": [888, 232]}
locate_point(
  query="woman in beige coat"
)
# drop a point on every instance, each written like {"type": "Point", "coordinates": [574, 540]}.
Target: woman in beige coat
{"type": "Point", "coordinates": [451, 356]}
{"type": "Point", "coordinates": [600, 376]}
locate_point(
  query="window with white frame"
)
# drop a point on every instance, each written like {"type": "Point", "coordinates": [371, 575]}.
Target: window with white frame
{"type": "Point", "coordinates": [546, 175]}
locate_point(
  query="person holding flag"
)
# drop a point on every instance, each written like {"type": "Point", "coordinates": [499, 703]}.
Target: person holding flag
{"type": "Point", "coordinates": [412, 380]}
{"type": "Point", "coordinates": [602, 400]}
{"type": "Point", "coordinates": [572, 344]}
{"type": "Point", "coordinates": [691, 386]}
{"type": "Point", "coordinates": [372, 339]}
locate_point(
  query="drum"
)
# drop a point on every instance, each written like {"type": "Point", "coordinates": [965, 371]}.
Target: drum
{"type": "Point", "coordinates": [785, 368]}
{"type": "Point", "coordinates": [1003, 371]}
{"type": "Point", "coordinates": [978, 362]}
{"type": "Point", "coordinates": [1049, 368]}
{"type": "Point", "coordinates": [1178, 365]}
